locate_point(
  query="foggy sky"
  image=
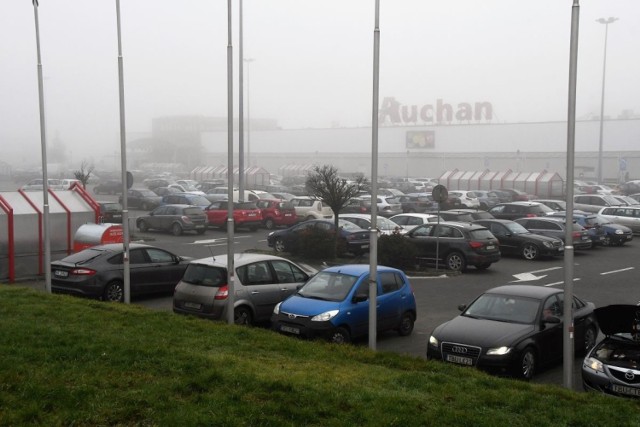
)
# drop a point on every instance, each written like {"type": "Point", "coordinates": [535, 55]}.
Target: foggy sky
{"type": "Point", "coordinates": [312, 63]}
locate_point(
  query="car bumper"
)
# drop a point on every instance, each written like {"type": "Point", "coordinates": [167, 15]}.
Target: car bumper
{"type": "Point", "coordinates": [479, 259]}
{"type": "Point", "coordinates": [301, 327]}
{"type": "Point", "coordinates": [601, 382]}
{"type": "Point", "coordinates": [88, 289]}
{"type": "Point", "coordinates": [207, 311]}
{"type": "Point", "coordinates": [498, 365]}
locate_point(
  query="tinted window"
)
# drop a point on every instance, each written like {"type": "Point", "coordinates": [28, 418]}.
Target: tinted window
{"type": "Point", "coordinates": [158, 255]}
{"type": "Point", "coordinates": [192, 211]}
{"type": "Point", "coordinates": [288, 273]}
{"type": "Point", "coordinates": [205, 275]}
{"type": "Point", "coordinates": [481, 233]}
{"type": "Point", "coordinates": [390, 281]}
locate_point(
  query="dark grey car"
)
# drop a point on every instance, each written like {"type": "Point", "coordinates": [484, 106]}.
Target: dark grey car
{"type": "Point", "coordinates": [174, 218]}
{"type": "Point", "coordinates": [555, 227]}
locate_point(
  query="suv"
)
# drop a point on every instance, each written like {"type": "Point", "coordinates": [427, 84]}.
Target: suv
{"type": "Point", "coordinates": [174, 218]}
{"type": "Point", "coordinates": [141, 198]}
{"type": "Point", "coordinates": [594, 202]}
{"type": "Point", "coordinates": [555, 227]}
{"type": "Point", "coordinates": [245, 214]}
{"type": "Point", "coordinates": [515, 210]}
{"type": "Point", "coordinates": [412, 203]}
{"type": "Point", "coordinates": [468, 199]}
{"type": "Point", "coordinates": [455, 244]}
{"type": "Point", "coordinates": [110, 212]}
{"type": "Point", "coordinates": [309, 208]}
{"type": "Point", "coordinates": [276, 212]}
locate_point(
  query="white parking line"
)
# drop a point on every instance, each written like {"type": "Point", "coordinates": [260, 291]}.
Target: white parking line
{"type": "Point", "coordinates": [560, 283]}
{"type": "Point", "coordinates": [617, 271]}
{"type": "Point", "coordinates": [546, 269]}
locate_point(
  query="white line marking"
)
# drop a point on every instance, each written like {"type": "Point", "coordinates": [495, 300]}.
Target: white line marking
{"type": "Point", "coordinates": [617, 271]}
{"type": "Point", "coordinates": [560, 283]}
{"type": "Point", "coordinates": [542, 271]}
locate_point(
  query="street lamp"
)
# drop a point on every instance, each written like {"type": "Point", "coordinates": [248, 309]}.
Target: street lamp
{"type": "Point", "coordinates": [248, 61]}
{"type": "Point", "coordinates": [606, 23]}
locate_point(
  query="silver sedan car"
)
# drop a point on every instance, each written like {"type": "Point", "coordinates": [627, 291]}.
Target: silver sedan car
{"type": "Point", "coordinates": [261, 281]}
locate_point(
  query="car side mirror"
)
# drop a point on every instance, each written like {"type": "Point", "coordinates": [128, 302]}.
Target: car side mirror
{"type": "Point", "coordinates": [462, 307]}
{"type": "Point", "coordinates": [360, 298]}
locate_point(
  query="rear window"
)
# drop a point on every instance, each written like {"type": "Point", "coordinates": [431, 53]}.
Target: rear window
{"type": "Point", "coordinates": [84, 256]}
{"type": "Point", "coordinates": [245, 206]}
{"type": "Point", "coordinates": [111, 207]}
{"type": "Point", "coordinates": [542, 208]}
{"type": "Point", "coordinates": [481, 234]}
{"type": "Point", "coordinates": [193, 211]}
{"type": "Point", "coordinates": [285, 205]}
{"type": "Point", "coordinates": [205, 275]}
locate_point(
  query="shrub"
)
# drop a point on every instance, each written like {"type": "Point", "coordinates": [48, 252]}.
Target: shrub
{"type": "Point", "coordinates": [316, 244]}
{"type": "Point", "coordinates": [396, 251]}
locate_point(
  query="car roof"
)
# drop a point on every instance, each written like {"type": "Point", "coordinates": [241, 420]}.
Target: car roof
{"type": "Point", "coordinates": [416, 214]}
{"type": "Point", "coordinates": [531, 291]}
{"type": "Point", "coordinates": [495, 220]}
{"type": "Point", "coordinates": [357, 269]}
{"type": "Point", "coordinates": [468, 225]}
{"type": "Point", "coordinates": [355, 215]}
{"type": "Point", "coordinates": [521, 203]}
{"type": "Point", "coordinates": [238, 259]}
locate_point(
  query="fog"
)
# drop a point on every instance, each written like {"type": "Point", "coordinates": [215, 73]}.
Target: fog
{"type": "Point", "coordinates": [312, 63]}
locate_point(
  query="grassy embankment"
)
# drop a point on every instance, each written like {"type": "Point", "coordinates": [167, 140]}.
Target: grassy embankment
{"type": "Point", "coordinates": [70, 361]}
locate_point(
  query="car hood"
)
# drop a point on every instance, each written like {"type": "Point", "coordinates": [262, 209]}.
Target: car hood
{"type": "Point", "coordinates": [481, 332]}
{"type": "Point", "coordinates": [617, 318]}
{"type": "Point", "coordinates": [613, 227]}
{"type": "Point", "coordinates": [302, 306]}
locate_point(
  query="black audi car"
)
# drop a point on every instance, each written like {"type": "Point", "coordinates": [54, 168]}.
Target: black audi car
{"type": "Point", "coordinates": [516, 240]}
{"type": "Point", "coordinates": [613, 365]}
{"type": "Point", "coordinates": [512, 330]}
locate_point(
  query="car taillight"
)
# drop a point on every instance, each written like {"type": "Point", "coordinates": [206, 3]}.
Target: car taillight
{"type": "Point", "coordinates": [531, 215]}
{"type": "Point", "coordinates": [363, 209]}
{"type": "Point", "coordinates": [475, 245]}
{"type": "Point", "coordinates": [82, 272]}
{"type": "Point", "coordinates": [223, 292]}
{"type": "Point", "coordinates": [577, 235]}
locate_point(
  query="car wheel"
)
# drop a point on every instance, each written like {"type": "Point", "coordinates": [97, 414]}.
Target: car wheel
{"type": "Point", "coordinates": [527, 364]}
{"type": "Point", "coordinates": [590, 336]}
{"type": "Point", "coordinates": [142, 226]}
{"type": "Point", "coordinates": [530, 251]}
{"type": "Point", "coordinates": [114, 291]}
{"type": "Point", "coordinates": [279, 245]}
{"type": "Point", "coordinates": [607, 240]}
{"type": "Point", "coordinates": [201, 231]}
{"type": "Point", "coordinates": [269, 224]}
{"type": "Point", "coordinates": [455, 261]}
{"type": "Point", "coordinates": [483, 266]}
{"type": "Point", "coordinates": [406, 325]}
{"type": "Point", "coordinates": [243, 316]}
{"type": "Point", "coordinates": [340, 336]}
{"type": "Point", "coordinates": [176, 229]}
{"type": "Point", "coordinates": [144, 206]}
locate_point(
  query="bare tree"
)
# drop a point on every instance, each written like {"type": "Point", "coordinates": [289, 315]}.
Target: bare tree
{"type": "Point", "coordinates": [334, 191]}
{"type": "Point", "coordinates": [84, 173]}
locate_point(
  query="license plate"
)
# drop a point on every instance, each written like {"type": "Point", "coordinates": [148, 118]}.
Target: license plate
{"type": "Point", "coordinates": [199, 226]}
{"type": "Point", "coordinates": [60, 273]}
{"type": "Point", "coordinates": [629, 237]}
{"type": "Point", "coordinates": [287, 214]}
{"type": "Point", "coordinates": [490, 247]}
{"type": "Point", "coordinates": [290, 330]}
{"type": "Point", "coordinates": [251, 214]}
{"type": "Point", "coordinates": [459, 360]}
{"type": "Point", "coordinates": [625, 390]}
{"type": "Point", "coordinates": [193, 305]}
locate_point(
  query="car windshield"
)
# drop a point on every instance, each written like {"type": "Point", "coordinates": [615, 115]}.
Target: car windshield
{"type": "Point", "coordinates": [347, 225]}
{"type": "Point", "coordinates": [205, 275]}
{"type": "Point", "coordinates": [481, 234]}
{"type": "Point", "coordinates": [516, 228]}
{"type": "Point", "coordinates": [328, 286]}
{"type": "Point", "coordinates": [504, 308]}
{"type": "Point", "coordinates": [199, 201]}
{"type": "Point", "coordinates": [112, 207]}
{"type": "Point", "coordinates": [148, 193]}
{"type": "Point", "coordinates": [386, 224]}
{"type": "Point", "coordinates": [84, 256]}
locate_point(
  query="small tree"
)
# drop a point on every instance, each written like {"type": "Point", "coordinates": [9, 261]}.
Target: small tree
{"type": "Point", "coordinates": [325, 184]}
{"type": "Point", "coordinates": [84, 173]}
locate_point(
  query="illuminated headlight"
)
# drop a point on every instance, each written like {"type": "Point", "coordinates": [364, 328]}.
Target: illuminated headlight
{"type": "Point", "coordinates": [548, 244]}
{"type": "Point", "coordinates": [594, 364]}
{"type": "Point", "coordinates": [498, 351]}
{"type": "Point", "coordinates": [619, 232]}
{"type": "Point", "coordinates": [327, 315]}
{"type": "Point", "coordinates": [276, 309]}
{"type": "Point", "coordinates": [433, 341]}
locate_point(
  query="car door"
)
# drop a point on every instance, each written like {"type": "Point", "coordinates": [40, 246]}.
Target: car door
{"type": "Point", "coordinates": [260, 287]}
{"type": "Point", "coordinates": [391, 297]}
{"type": "Point", "coordinates": [165, 271]}
{"type": "Point", "coordinates": [422, 237]}
{"type": "Point", "coordinates": [509, 242]}
{"type": "Point", "coordinates": [289, 277]}
{"type": "Point", "coordinates": [550, 334]}
{"type": "Point", "coordinates": [154, 219]}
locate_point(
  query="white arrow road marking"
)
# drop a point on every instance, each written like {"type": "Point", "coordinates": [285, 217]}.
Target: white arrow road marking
{"type": "Point", "coordinates": [526, 277]}
{"type": "Point", "coordinates": [542, 271]}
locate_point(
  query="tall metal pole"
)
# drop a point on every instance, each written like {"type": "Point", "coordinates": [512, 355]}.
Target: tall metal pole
{"type": "Point", "coordinates": [606, 23]}
{"type": "Point", "coordinates": [567, 336]}
{"type": "Point", "coordinates": [230, 224]}
{"type": "Point", "coordinates": [43, 145]}
{"type": "Point", "coordinates": [123, 166]}
{"type": "Point", "coordinates": [241, 183]}
{"type": "Point", "coordinates": [248, 61]}
{"type": "Point", "coordinates": [373, 232]}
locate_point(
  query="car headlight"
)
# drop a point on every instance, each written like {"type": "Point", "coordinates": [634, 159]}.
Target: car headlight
{"type": "Point", "coordinates": [327, 315]}
{"type": "Point", "coordinates": [498, 351]}
{"type": "Point", "coordinates": [619, 232]}
{"type": "Point", "coordinates": [276, 309]}
{"type": "Point", "coordinates": [434, 341]}
{"type": "Point", "coordinates": [548, 244]}
{"type": "Point", "coordinates": [594, 364]}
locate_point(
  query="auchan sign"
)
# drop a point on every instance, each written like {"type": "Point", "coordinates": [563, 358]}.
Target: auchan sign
{"type": "Point", "coordinates": [392, 112]}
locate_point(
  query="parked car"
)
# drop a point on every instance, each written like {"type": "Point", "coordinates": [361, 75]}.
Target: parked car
{"type": "Point", "coordinates": [596, 189]}
{"type": "Point", "coordinates": [186, 188]}
{"type": "Point", "coordinates": [388, 206]}
{"type": "Point", "coordinates": [110, 212]}
{"type": "Point", "coordinates": [613, 365]}
{"type": "Point", "coordinates": [309, 208]}
{"type": "Point", "coordinates": [261, 281]}
{"type": "Point", "coordinates": [515, 210]}
{"type": "Point", "coordinates": [152, 183]}
{"type": "Point", "coordinates": [67, 183]}
{"type": "Point", "coordinates": [357, 205]}
{"type": "Point", "coordinates": [276, 212]}
{"type": "Point", "coordinates": [556, 205]}
{"type": "Point", "coordinates": [629, 201]}
{"type": "Point", "coordinates": [487, 199]}
{"type": "Point", "coordinates": [512, 330]}
{"type": "Point", "coordinates": [141, 198]}
{"type": "Point", "coordinates": [514, 239]}
{"type": "Point", "coordinates": [416, 202]}
{"type": "Point", "coordinates": [36, 184]}
{"type": "Point", "coordinates": [457, 215]}
{"type": "Point", "coordinates": [555, 227]}
{"type": "Point", "coordinates": [455, 245]}
{"type": "Point", "coordinates": [245, 215]}
{"type": "Point", "coordinates": [409, 221]}
{"type": "Point", "coordinates": [468, 199]}
{"type": "Point", "coordinates": [635, 196]}
{"type": "Point", "coordinates": [628, 216]}
{"type": "Point", "coordinates": [283, 196]}
{"type": "Point", "coordinates": [108, 187]}
{"type": "Point", "coordinates": [185, 199]}
{"type": "Point", "coordinates": [352, 237]}
{"type": "Point", "coordinates": [595, 202]}
{"type": "Point", "coordinates": [385, 225]}
{"type": "Point", "coordinates": [475, 213]}
{"type": "Point", "coordinates": [590, 223]}
{"type": "Point", "coordinates": [163, 191]}
{"type": "Point", "coordinates": [517, 195]}
{"type": "Point", "coordinates": [334, 304]}
{"type": "Point", "coordinates": [174, 218]}
{"type": "Point", "coordinates": [97, 272]}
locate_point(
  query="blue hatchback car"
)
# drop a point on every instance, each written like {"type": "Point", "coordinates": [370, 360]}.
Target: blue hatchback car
{"type": "Point", "coordinates": [334, 304]}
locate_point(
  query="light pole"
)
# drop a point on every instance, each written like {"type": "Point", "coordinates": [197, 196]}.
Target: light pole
{"type": "Point", "coordinates": [606, 23]}
{"type": "Point", "coordinates": [248, 61]}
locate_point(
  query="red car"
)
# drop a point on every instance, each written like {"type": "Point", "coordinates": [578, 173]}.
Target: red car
{"type": "Point", "coordinates": [276, 212]}
{"type": "Point", "coordinates": [245, 215]}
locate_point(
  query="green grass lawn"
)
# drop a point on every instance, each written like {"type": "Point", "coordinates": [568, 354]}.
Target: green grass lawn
{"type": "Point", "coordinates": [71, 361]}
